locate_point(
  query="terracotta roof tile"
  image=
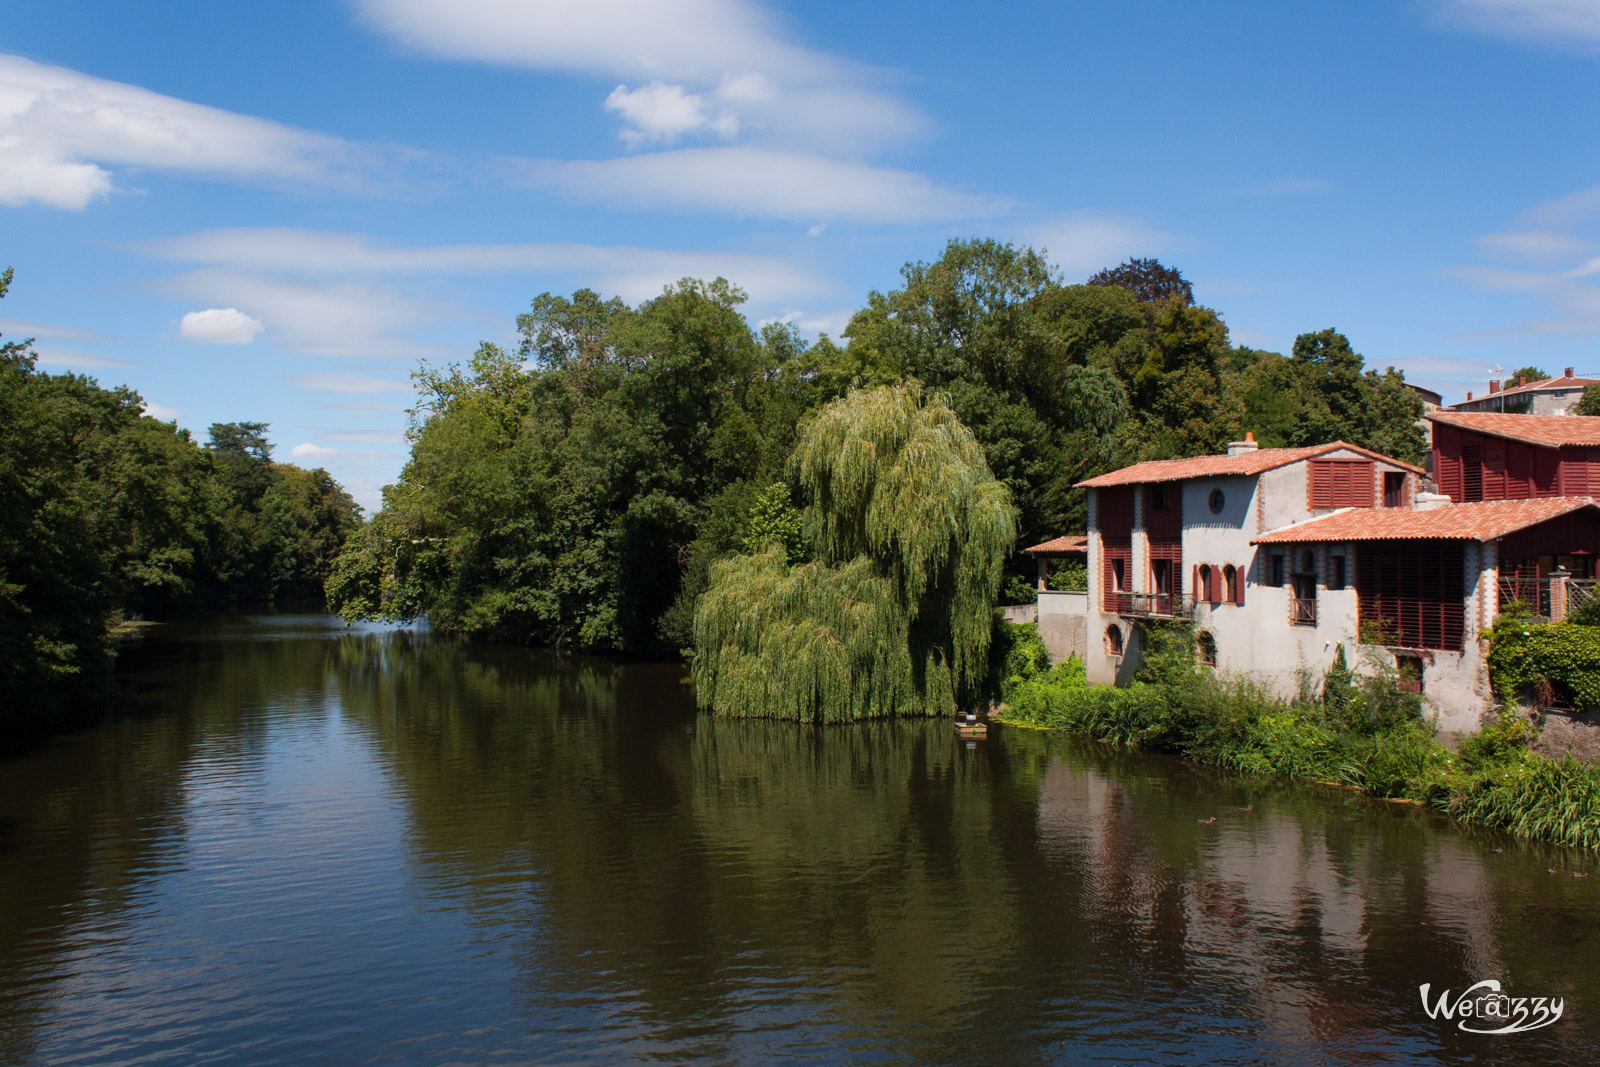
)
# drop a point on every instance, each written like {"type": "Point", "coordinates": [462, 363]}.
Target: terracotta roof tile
{"type": "Point", "coordinates": [1549, 430]}
{"type": "Point", "coordinates": [1246, 463]}
{"type": "Point", "coordinates": [1451, 522]}
{"type": "Point", "coordinates": [1070, 543]}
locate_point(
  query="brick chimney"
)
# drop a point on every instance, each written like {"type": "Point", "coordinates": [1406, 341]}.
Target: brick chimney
{"type": "Point", "coordinates": [1469, 394]}
{"type": "Point", "coordinates": [1522, 380]}
{"type": "Point", "coordinates": [1494, 386]}
{"type": "Point", "coordinates": [1240, 448]}
{"type": "Point", "coordinates": [1568, 373]}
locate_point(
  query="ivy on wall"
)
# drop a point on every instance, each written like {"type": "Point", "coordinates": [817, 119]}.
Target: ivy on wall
{"type": "Point", "coordinates": [1539, 660]}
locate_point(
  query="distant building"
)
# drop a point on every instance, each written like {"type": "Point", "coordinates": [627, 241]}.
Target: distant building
{"type": "Point", "coordinates": [1279, 556]}
{"type": "Point", "coordinates": [1548, 396]}
{"type": "Point", "coordinates": [1431, 401]}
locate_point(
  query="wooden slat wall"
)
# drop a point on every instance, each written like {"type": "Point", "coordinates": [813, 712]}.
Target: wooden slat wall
{"type": "Point", "coordinates": [1112, 549]}
{"type": "Point", "coordinates": [1341, 483]}
{"type": "Point", "coordinates": [1447, 460]}
{"type": "Point", "coordinates": [1115, 511]}
{"type": "Point", "coordinates": [1416, 588]}
{"type": "Point", "coordinates": [1167, 522]}
{"type": "Point", "coordinates": [1470, 467]}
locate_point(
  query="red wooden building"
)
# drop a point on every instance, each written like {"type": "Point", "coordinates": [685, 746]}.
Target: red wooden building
{"type": "Point", "coordinates": [1483, 456]}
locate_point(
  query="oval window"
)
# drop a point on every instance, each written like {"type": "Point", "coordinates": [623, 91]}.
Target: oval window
{"type": "Point", "coordinates": [1217, 500]}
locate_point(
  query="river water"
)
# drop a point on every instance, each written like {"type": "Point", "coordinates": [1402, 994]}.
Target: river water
{"type": "Point", "coordinates": [305, 844]}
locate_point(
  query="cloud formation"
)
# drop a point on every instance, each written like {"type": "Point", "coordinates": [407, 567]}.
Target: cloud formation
{"type": "Point", "coordinates": [1083, 242]}
{"type": "Point", "coordinates": [219, 326]}
{"type": "Point", "coordinates": [1571, 24]}
{"type": "Point", "coordinates": [325, 382]}
{"type": "Point", "coordinates": [61, 130]}
{"type": "Point", "coordinates": [663, 113]}
{"type": "Point", "coordinates": [750, 182]}
{"type": "Point", "coordinates": [734, 52]}
{"type": "Point", "coordinates": [244, 259]}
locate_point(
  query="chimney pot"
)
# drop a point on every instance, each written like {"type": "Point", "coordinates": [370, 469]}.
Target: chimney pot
{"type": "Point", "coordinates": [1522, 380]}
{"type": "Point", "coordinates": [1494, 386]}
{"type": "Point", "coordinates": [1469, 394]}
{"type": "Point", "coordinates": [1568, 373]}
{"type": "Point", "coordinates": [1239, 448]}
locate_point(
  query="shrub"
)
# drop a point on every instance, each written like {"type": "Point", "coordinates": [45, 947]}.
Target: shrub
{"type": "Point", "coordinates": [1527, 656]}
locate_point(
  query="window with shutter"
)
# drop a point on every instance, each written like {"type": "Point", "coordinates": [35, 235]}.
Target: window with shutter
{"type": "Point", "coordinates": [1341, 483]}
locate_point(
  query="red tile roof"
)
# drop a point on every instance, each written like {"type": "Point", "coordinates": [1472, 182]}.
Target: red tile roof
{"type": "Point", "coordinates": [1452, 522]}
{"type": "Point", "coordinates": [1246, 463]}
{"type": "Point", "coordinates": [1539, 386]}
{"type": "Point", "coordinates": [1061, 546]}
{"type": "Point", "coordinates": [1549, 430]}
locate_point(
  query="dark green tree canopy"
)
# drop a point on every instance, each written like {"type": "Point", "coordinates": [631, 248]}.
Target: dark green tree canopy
{"type": "Point", "coordinates": [1147, 280]}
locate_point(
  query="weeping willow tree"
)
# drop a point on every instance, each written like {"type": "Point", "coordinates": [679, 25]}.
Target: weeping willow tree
{"type": "Point", "coordinates": [908, 530]}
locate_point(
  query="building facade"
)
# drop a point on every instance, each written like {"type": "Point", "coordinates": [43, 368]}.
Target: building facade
{"type": "Point", "coordinates": [1281, 556]}
{"type": "Point", "coordinates": [1548, 396]}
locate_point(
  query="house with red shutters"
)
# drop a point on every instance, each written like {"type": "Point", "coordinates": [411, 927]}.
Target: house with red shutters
{"type": "Point", "coordinates": [1279, 556]}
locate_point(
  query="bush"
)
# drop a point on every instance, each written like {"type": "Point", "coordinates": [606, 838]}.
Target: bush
{"type": "Point", "coordinates": [1363, 733]}
{"type": "Point", "coordinates": [1531, 659]}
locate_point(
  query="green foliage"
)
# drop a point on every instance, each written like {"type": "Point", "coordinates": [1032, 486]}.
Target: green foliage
{"type": "Point", "coordinates": [106, 512]}
{"type": "Point", "coordinates": [1530, 659]}
{"type": "Point", "coordinates": [1146, 279]}
{"type": "Point", "coordinates": [774, 518]}
{"type": "Point", "coordinates": [1530, 373]}
{"type": "Point", "coordinates": [1368, 738]}
{"type": "Point", "coordinates": [1588, 403]}
{"type": "Point", "coordinates": [578, 490]}
{"type": "Point", "coordinates": [910, 530]}
{"type": "Point", "coordinates": [1069, 575]}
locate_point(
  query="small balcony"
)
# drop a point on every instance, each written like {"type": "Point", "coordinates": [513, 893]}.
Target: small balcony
{"type": "Point", "coordinates": [1303, 611]}
{"type": "Point", "coordinates": [1154, 606]}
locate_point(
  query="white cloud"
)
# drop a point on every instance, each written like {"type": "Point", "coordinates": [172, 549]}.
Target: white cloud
{"type": "Point", "coordinates": [829, 322]}
{"type": "Point", "coordinates": [1538, 247]}
{"type": "Point", "coordinates": [47, 331]}
{"type": "Point", "coordinates": [338, 317]}
{"type": "Point", "coordinates": [219, 326]}
{"type": "Point", "coordinates": [368, 437]}
{"type": "Point", "coordinates": [349, 383]}
{"type": "Point", "coordinates": [1569, 23]}
{"type": "Point", "coordinates": [1084, 242]}
{"type": "Point", "coordinates": [632, 273]}
{"type": "Point", "coordinates": [307, 450]}
{"type": "Point", "coordinates": [661, 113]}
{"type": "Point", "coordinates": [60, 129]}
{"type": "Point", "coordinates": [747, 181]}
{"type": "Point", "coordinates": [162, 412]}
{"type": "Point", "coordinates": [734, 50]}
{"type": "Point", "coordinates": [75, 359]}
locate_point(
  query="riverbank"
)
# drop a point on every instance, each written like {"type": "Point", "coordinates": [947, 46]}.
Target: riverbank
{"type": "Point", "coordinates": [1364, 733]}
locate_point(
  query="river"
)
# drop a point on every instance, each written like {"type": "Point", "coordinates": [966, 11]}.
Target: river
{"type": "Point", "coordinates": [301, 843]}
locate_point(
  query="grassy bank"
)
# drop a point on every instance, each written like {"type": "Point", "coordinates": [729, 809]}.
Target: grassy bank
{"type": "Point", "coordinates": [1362, 732]}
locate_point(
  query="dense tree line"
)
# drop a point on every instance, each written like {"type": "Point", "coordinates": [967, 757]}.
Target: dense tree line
{"type": "Point", "coordinates": [108, 514]}
{"type": "Point", "coordinates": [577, 491]}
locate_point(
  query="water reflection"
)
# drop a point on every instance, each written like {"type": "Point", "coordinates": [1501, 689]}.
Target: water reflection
{"type": "Point", "coordinates": [307, 843]}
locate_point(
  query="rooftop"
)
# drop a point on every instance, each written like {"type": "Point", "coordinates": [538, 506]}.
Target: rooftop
{"type": "Point", "coordinates": [1246, 463]}
{"type": "Point", "coordinates": [1566, 381]}
{"type": "Point", "coordinates": [1485, 521]}
{"type": "Point", "coordinates": [1549, 430]}
{"type": "Point", "coordinates": [1061, 546]}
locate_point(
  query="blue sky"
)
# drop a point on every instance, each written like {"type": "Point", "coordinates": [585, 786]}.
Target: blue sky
{"type": "Point", "coordinates": [274, 211]}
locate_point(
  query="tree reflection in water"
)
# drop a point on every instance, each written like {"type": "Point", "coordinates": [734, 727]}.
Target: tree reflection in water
{"type": "Point", "coordinates": [618, 876]}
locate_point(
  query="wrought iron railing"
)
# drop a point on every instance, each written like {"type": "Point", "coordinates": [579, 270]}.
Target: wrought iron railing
{"type": "Point", "coordinates": [1155, 605]}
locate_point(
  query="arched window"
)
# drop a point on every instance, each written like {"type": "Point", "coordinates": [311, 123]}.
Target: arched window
{"type": "Point", "coordinates": [1205, 584]}
{"type": "Point", "coordinates": [1206, 646]}
{"type": "Point", "coordinates": [1230, 584]}
{"type": "Point", "coordinates": [1114, 640]}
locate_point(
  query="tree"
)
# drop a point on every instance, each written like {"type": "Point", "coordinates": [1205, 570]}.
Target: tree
{"type": "Point", "coordinates": [1589, 402]}
{"type": "Point", "coordinates": [1521, 374]}
{"type": "Point", "coordinates": [894, 616]}
{"type": "Point", "coordinates": [1147, 280]}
